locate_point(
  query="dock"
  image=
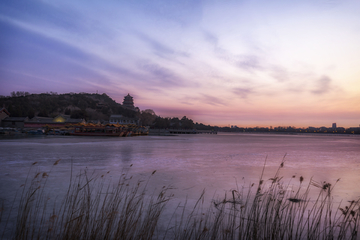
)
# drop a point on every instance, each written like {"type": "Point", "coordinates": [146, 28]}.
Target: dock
{"type": "Point", "coordinates": [167, 132]}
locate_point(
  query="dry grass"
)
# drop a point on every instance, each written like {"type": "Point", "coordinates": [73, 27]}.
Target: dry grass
{"type": "Point", "coordinates": [95, 209]}
{"type": "Point", "coordinates": [271, 212]}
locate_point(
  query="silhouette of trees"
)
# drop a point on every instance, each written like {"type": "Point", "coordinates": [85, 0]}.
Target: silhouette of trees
{"type": "Point", "coordinates": [174, 123]}
{"type": "Point", "coordinates": [43, 113]}
{"type": "Point", "coordinates": [79, 114]}
{"type": "Point", "coordinates": [187, 123]}
{"type": "Point", "coordinates": [147, 117]}
{"type": "Point", "coordinates": [19, 94]}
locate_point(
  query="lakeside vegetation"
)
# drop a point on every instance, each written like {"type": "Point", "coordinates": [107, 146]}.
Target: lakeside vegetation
{"type": "Point", "coordinates": [92, 208]}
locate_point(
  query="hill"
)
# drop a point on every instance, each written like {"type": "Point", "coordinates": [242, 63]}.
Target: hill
{"type": "Point", "coordinates": [89, 106]}
{"type": "Point", "coordinates": [77, 105]}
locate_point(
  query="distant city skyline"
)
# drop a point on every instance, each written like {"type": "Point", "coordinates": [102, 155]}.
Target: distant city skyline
{"type": "Point", "coordinates": [244, 63]}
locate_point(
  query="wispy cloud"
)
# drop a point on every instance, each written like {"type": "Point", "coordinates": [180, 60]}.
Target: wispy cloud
{"type": "Point", "coordinates": [200, 99]}
{"type": "Point", "coordinates": [182, 13]}
{"type": "Point", "coordinates": [160, 76]}
{"type": "Point", "coordinates": [281, 74]}
{"type": "Point", "coordinates": [243, 92]}
{"type": "Point", "coordinates": [211, 100]}
{"type": "Point", "coordinates": [322, 85]}
{"type": "Point", "coordinates": [161, 49]}
{"type": "Point", "coordinates": [219, 52]}
{"type": "Point", "coordinates": [249, 63]}
{"type": "Point", "coordinates": [158, 48]}
{"type": "Point", "coordinates": [211, 38]}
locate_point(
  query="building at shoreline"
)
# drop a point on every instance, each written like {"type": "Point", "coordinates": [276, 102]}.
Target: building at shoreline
{"type": "Point", "coordinates": [56, 122]}
{"type": "Point", "coordinates": [120, 119]}
{"type": "Point", "coordinates": [3, 114]}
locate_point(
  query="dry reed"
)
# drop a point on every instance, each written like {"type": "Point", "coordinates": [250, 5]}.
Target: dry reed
{"type": "Point", "coordinates": [95, 209]}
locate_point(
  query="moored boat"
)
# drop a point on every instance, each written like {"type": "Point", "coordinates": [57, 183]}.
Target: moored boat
{"type": "Point", "coordinates": [115, 130]}
{"type": "Point", "coordinates": [98, 131]}
{"type": "Point", "coordinates": [36, 132]}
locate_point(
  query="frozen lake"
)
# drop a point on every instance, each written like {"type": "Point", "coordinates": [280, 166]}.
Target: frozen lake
{"type": "Point", "coordinates": [188, 163]}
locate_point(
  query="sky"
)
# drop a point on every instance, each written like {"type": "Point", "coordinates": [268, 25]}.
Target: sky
{"type": "Point", "coordinates": [246, 63]}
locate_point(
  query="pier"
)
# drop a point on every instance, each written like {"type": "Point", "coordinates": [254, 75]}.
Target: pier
{"type": "Point", "coordinates": [165, 132]}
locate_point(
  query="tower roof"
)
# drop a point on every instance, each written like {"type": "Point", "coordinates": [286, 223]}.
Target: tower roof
{"type": "Point", "coordinates": [128, 102]}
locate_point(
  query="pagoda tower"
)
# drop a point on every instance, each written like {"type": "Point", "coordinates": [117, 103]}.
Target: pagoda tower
{"type": "Point", "coordinates": [128, 102]}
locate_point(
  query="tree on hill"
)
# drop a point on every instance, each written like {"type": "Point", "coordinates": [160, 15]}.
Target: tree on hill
{"type": "Point", "coordinates": [147, 117]}
{"type": "Point", "coordinates": [79, 114]}
{"type": "Point", "coordinates": [187, 123]}
{"type": "Point", "coordinates": [174, 123]}
{"type": "Point", "coordinates": [161, 122]}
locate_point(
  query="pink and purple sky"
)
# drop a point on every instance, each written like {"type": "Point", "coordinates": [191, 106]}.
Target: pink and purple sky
{"type": "Point", "coordinates": [245, 63]}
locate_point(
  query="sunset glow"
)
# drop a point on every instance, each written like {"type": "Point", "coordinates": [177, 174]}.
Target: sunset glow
{"type": "Point", "coordinates": [244, 63]}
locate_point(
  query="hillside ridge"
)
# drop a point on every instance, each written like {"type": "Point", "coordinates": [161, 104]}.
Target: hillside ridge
{"type": "Point", "coordinates": [89, 106]}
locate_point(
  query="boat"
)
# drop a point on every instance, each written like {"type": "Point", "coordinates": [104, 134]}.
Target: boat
{"type": "Point", "coordinates": [116, 130]}
{"type": "Point", "coordinates": [36, 132]}
{"type": "Point", "coordinates": [110, 131]}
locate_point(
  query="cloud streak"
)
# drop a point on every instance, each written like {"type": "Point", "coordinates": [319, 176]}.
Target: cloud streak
{"type": "Point", "coordinates": [249, 63]}
{"type": "Point", "coordinates": [160, 76]}
{"type": "Point", "coordinates": [243, 92]}
{"type": "Point", "coordinates": [322, 85]}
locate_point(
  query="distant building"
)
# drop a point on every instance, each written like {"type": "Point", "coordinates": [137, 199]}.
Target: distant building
{"type": "Point", "coordinates": [3, 114]}
{"type": "Point", "coordinates": [14, 122]}
{"type": "Point", "coordinates": [334, 126]}
{"type": "Point", "coordinates": [323, 129]}
{"type": "Point", "coordinates": [58, 121]}
{"type": "Point", "coordinates": [129, 102]}
{"type": "Point", "coordinates": [120, 119]}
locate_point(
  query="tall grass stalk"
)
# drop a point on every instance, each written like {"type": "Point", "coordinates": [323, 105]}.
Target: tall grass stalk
{"type": "Point", "coordinates": [90, 209]}
{"type": "Point", "coordinates": [93, 208]}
